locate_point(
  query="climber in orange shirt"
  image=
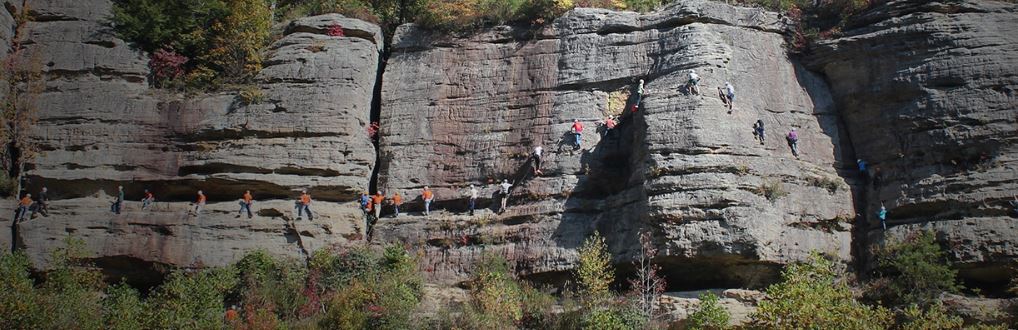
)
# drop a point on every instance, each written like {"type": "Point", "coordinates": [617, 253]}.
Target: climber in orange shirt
{"type": "Point", "coordinates": [376, 201]}
{"type": "Point", "coordinates": [397, 200]}
{"type": "Point", "coordinates": [304, 205]}
{"type": "Point", "coordinates": [428, 197]}
{"type": "Point", "coordinates": [245, 204]}
{"type": "Point", "coordinates": [23, 206]}
{"type": "Point", "coordinates": [231, 315]}
{"type": "Point", "coordinates": [199, 204]}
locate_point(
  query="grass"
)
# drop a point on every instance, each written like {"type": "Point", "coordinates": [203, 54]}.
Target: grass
{"type": "Point", "coordinates": [831, 184]}
{"type": "Point", "coordinates": [772, 190]}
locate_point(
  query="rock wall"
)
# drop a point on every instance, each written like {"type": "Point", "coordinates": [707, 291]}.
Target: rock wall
{"type": "Point", "coordinates": [928, 91]}
{"type": "Point", "coordinates": [100, 126]}
{"type": "Point", "coordinates": [923, 90]}
{"type": "Point", "coordinates": [460, 111]}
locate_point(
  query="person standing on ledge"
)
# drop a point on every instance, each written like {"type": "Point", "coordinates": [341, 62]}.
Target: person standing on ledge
{"type": "Point", "coordinates": [397, 201]}
{"type": "Point", "coordinates": [427, 196]}
{"type": "Point", "coordinates": [147, 200]}
{"type": "Point", "coordinates": [304, 205]}
{"type": "Point", "coordinates": [504, 192]}
{"type": "Point", "coordinates": [117, 203]}
{"type": "Point", "coordinates": [376, 201]}
{"type": "Point", "coordinates": [245, 204]}
{"type": "Point", "coordinates": [23, 206]}
{"type": "Point", "coordinates": [473, 198]}
{"type": "Point", "coordinates": [639, 96]}
{"type": "Point", "coordinates": [42, 203]}
{"type": "Point", "coordinates": [199, 204]}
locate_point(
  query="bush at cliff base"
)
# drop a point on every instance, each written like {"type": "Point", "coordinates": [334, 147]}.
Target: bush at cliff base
{"type": "Point", "coordinates": [810, 296]}
{"type": "Point", "coordinates": [709, 315]}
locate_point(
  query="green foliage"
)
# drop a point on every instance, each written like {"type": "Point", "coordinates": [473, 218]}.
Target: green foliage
{"type": "Point", "coordinates": [710, 315]}
{"type": "Point", "coordinates": [381, 295]}
{"type": "Point", "coordinates": [595, 273]}
{"type": "Point", "coordinates": [20, 306]}
{"type": "Point", "coordinates": [810, 297]}
{"type": "Point", "coordinates": [915, 271]}
{"type": "Point", "coordinates": [616, 317]}
{"type": "Point", "coordinates": [271, 286]}
{"type": "Point", "coordinates": [123, 309]}
{"type": "Point", "coordinates": [221, 38]}
{"type": "Point", "coordinates": [933, 318]}
{"type": "Point", "coordinates": [193, 300]}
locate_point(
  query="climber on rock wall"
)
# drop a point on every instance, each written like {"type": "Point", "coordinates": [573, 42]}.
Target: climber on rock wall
{"type": "Point", "coordinates": [758, 131]}
{"type": "Point", "coordinates": [147, 200]}
{"type": "Point", "coordinates": [730, 95]}
{"type": "Point", "coordinates": [793, 142]}
{"type": "Point", "coordinates": [1014, 205]}
{"type": "Point", "coordinates": [23, 207]}
{"type": "Point", "coordinates": [397, 201]}
{"type": "Point", "coordinates": [245, 204]}
{"type": "Point", "coordinates": [427, 196]}
{"type": "Point", "coordinates": [504, 194]}
{"type": "Point", "coordinates": [376, 201]}
{"type": "Point", "coordinates": [537, 160]}
{"type": "Point", "coordinates": [693, 82]}
{"type": "Point", "coordinates": [577, 129]}
{"type": "Point", "coordinates": [119, 201]}
{"type": "Point", "coordinates": [42, 203]}
{"type": "Point", "coordinates": [882, 215]}
{"type": "Point", "coordinates": [304, 205]}
{"type": "Point", "coordinates": [639, 96]}
{"type": "Point", "coordinates": [472, 193]}
{"type": "Point", "coordinates": [199, 204]}
{"type": "Point", "coordinates": [609, 126]}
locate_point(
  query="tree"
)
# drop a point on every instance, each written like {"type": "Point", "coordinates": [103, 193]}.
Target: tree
{"type": "Point", "coordinates": [238, 38]}
{"type": "Point", "coordinates": [648, 284]}
{"type": "Point", "coordinates": [915, 270]}
{"type": "Point", "coordinates": [594, 272]}
{"type": "Point", "coordinates": [22, 81]}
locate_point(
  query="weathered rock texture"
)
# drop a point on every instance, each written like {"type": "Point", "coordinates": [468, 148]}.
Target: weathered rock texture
{"type": "Point", "coordinates": [469, 110]}
{"type": "Point", "coordinates": [929, 92]}
{"type": "Point", "coordinates": [100, 125]}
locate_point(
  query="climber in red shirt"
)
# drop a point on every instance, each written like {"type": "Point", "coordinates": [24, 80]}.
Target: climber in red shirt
{"type": "Point", "coordinates": [578, 132]}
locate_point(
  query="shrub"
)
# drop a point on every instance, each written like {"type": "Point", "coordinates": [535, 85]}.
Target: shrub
{"type": "Point", "coordinates": [772, 190]}
{"type": "Point", "coordinates": [166, 65]}
{"type": "Point", "coordinates": [810, 297]}
{"type": "Point", "coordinates": [193, 300]}
{"type": "Point", "coordinates": [383, 295]}
{"type": "Point", "coordinates": [20, 303]}
{"type": "Point", "coordinates": [594, 272]}
{"type": "Point", "coordinates": [270, 286]}
{"type": "Point", "coordinates": [124, 309]}
{"type": "Point", "coordinates": [933, 318]}
{"type": "Point", "coordinates": [915, 270]}
{"type": "Point", "coordinates": [249, 95]}
{"type": "Point", "coordinates": [709, 314]}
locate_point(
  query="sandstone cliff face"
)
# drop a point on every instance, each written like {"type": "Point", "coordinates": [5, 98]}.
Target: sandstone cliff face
{"type": "Point", "coordinates": [458, 111]}
{"type": "Point", "coordinates": [100, 126]}
{"type": "Point", "coordinates": [927, 91]}
{"type": "Point", "coordinates": [920, 89]}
